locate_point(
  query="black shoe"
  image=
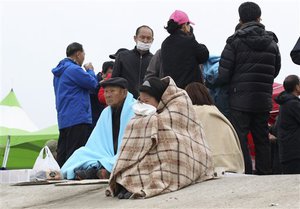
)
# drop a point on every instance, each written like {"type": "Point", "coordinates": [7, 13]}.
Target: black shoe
{"type": "Point", "coordinates": [90, 173]}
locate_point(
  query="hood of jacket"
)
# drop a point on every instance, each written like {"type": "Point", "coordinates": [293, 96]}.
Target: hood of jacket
{"type": "Point", "coordinates": [254, 35]}
{"type": "Point", "coordinates": [62, 66]}
{"type": "Point", "coordinates": [284, 97]}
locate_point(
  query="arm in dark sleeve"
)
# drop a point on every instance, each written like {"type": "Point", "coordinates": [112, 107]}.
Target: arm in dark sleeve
{"type": "Point", "coordinates": [295, 111]}
{"type": "Point", "coordinates": [117, 67]}
{"type": "Point", "coordinates": [295, 53]}
{"type": "Point", "coordinates": [278, 64]}
{"type": "Point", "coordinates": [154, 67]}
{"type": "Point", "coordinates": [202, 53]}
{"type": "Point", "coordinates": [226, 65]}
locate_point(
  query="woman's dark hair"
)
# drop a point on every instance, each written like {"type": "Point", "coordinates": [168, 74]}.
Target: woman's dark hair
{"type": "Point", "coordinates": [290, 83]}
{"type": "Point", "coordinates": [73, 48]}
{"type": "Point", "coordinates": [172, 26]}
{"type": "Point", "coordinates": [199, 94]}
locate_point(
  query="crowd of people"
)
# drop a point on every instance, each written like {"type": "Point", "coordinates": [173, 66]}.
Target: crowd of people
{"type": "Point", "coordinates": [153, 124]}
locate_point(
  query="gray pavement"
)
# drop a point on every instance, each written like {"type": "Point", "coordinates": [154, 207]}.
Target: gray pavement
{"type": "Point", "coordinates": [233, 191]}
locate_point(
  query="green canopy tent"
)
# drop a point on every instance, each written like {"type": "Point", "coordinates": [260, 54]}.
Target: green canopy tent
{"type": "Point", "coordinates": [20, 140]}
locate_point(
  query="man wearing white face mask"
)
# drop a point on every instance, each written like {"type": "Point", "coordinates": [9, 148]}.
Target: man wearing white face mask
{"type": "Point", "coordinates": [132, 64]}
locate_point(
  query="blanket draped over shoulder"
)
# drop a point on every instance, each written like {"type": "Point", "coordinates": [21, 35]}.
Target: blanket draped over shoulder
{"type": "Point", "coordinates": [162, 152]}
{"type": "Point", "coordinates": [224, 143]}
{"type": "Point", "coordinates": [99, 149]}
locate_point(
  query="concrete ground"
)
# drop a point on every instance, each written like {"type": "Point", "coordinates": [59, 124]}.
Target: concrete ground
{"type": "Point", "coordinates": [233, 191]}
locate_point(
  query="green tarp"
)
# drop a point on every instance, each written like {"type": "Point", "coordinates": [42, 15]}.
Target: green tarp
{"type": "Point", "coordinates": [24, 145]}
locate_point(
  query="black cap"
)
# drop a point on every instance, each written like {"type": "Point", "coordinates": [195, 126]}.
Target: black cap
{"type": "Point", "coordinates": [113, 56]}
{"type": "Point", "coordinates": [116, 81]}
{"type": "Point", "coordinates": [154, 87]}
{"type": "Point", "coordinates": [249, 11]}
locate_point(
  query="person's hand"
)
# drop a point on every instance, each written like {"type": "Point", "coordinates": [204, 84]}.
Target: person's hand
{"type": "Point", "coordinates": [88, 66]}
{"type": "Point", "coordinates": [272, 138]}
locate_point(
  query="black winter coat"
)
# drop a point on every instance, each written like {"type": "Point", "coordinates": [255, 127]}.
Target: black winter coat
{"type": "Point", "coordinates": [181, 55]}
{"type": "Point", "coordinates": [132, 66]}
{"type": "Point", "coordinates": [295, 53]}
{"type": "Point", "coordinates": [249, 63]}
{"type": "Point", "coordinates": [288, 127]}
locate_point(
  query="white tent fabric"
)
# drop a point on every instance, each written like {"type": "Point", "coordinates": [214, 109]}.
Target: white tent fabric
{"type": "Point", "coordinates": [13, 117]}
{"type": "Point", "coordinates": [16, 118]}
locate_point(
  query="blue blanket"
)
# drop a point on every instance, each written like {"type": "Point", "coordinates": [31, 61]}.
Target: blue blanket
{"type": "Point", "coordinates": [99, 149]}
{"type": "Point", "coordinates": [219, 94]}
{"type": "Point", "coordinates": [210, 69]}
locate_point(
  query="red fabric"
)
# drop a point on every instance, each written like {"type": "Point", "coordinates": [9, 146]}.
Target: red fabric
{"type": "Point", "coordinates": [101, 97]}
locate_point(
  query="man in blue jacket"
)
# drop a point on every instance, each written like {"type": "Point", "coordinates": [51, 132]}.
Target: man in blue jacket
{"type": "Point", "coordinates": [71, 86]}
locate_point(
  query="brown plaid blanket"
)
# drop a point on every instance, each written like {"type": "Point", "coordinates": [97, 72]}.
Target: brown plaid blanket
{"type": "Point", "coordinates": [163, 152]}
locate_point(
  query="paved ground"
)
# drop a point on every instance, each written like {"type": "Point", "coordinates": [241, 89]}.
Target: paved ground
{"type": "Point", "coordinates": [277, 191]}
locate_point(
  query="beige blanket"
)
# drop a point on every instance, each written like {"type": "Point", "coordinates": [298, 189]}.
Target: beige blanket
{"type": "Point", "coordinates": [163, 152]}
{"type": "Point", "coordinates": [221, 138]}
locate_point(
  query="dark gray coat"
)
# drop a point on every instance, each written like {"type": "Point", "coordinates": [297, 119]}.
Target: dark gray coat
{"type": "Point", "coordinates": [249, 63]}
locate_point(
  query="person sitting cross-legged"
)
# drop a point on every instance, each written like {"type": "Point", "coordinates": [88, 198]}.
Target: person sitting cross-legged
{"type": "Point", "coordinates": [97, 157]}
{"type": "Point", "coordinates": [163, 148]}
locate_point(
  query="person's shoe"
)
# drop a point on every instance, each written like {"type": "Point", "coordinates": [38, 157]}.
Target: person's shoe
{"type": "Point", "coordinates": [86, 174]}
{"type": "Point", "coordinates": [103, 174]}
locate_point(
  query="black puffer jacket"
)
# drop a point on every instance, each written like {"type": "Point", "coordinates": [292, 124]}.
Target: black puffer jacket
{"type": "Point", "coordinates": [288, 125]}
{"type": "Point", "coordinates": [249, 63]}
{"type": "Point", "coordinates": [132, 66]}
{"type": "Point", "coordinates": [181, 55]}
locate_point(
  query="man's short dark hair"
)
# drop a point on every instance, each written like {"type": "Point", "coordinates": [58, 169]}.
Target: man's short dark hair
{"type": "Point", "coordinates": [73, 48]}
{"type": "Point", "coordinates": [249, 11]}
{"type": "Point", "coordinates": [143, 26]}
{"type": "Point", "coordinates": [290, 83]}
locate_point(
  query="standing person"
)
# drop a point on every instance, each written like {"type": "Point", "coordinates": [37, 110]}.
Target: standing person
{"type": "Point", "coordinates": [295, 53]}
{"type": "Point", "coordinates": [132, 64]}
{"type": "Point", "coordinates": [181, 54]}
{"type": "Point", "coordinates": [107, 69]}
{"type": "Point", "coordinates": [289, 125]}
{"type": "Point", "coordinates": [113, 56]}
{"type": "Point", "coordinates": [71, 86]}
{"type": "Point", "coordinates": [96, 104]}
{"type": "Point", "coordinates": [154, 68]}
{"type": "Point", "coordinates": [249, 63]}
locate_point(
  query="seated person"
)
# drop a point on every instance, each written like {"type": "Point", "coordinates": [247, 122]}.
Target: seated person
{"type": "Point", "coordinates": [219, 133]}
{"type": "Point", "coordinates": [164, 150]}
{"type": "Point", "coordinates": [96, 159]}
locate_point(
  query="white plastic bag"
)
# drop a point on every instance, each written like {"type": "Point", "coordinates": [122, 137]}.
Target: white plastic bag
{"type": "Point", "coordinates": [45, 168]}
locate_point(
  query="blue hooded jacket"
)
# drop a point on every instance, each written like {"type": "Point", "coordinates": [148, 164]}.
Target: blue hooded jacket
{"type": "Point", "coordinates": [71, 86]}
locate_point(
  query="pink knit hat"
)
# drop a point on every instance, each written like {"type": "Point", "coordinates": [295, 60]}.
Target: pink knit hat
{"type": "Point", "coordinates": [180, 17]}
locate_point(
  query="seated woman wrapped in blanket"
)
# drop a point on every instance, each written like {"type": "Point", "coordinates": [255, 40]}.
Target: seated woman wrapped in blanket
{"type": "Point", "coordinates": [163, 148]}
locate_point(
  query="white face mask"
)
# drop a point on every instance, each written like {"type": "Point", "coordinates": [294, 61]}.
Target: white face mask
{"type": "Point", "coordinates": [143, 109]}
{"type": "Point", "coordinates": [143, 46]}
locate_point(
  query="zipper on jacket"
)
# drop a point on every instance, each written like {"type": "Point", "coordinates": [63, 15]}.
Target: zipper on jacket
{"type": "Point", "coordinates": [140, 70]}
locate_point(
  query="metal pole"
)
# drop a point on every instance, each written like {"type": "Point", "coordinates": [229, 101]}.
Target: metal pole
{"type": "Point", "coordinates": [7, 148]}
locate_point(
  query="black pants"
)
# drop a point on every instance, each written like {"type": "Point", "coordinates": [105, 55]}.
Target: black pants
{"type": "Point", "coordinates": [257, 124]}
{"type": "Point", "coordinates": [291, 167]}
{"type": "Point", "coordinates": [70, 139]}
